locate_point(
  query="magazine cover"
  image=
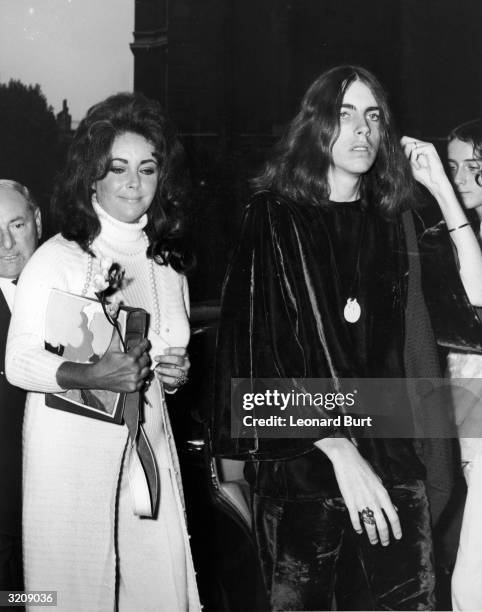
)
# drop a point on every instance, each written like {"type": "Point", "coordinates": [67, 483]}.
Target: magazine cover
{"type": "Point", "coordinates": [294, 191]}
{"type": "Point", "coordinates": [77, 329]}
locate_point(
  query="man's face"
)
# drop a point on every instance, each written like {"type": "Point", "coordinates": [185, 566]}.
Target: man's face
{"type": "Point", "coordinates": [19, 231]}
{"type": "Point", "coordinates": [356, 147]}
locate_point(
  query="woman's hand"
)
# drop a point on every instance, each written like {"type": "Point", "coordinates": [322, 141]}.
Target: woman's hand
{"type": "Point", "coordinates": [365, 497]}
{"type": "Point", "coordinates": [426, 166]}
{"type": "Point", "coordinates": [122, 372]}
{"type": "Point", "coordinates": [115, 371]}
{"type": "Point", "coordinates": [173, 367]}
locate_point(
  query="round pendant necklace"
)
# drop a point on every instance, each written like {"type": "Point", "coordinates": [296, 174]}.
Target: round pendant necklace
{"type": "Point", "coordinates": [352, 310]}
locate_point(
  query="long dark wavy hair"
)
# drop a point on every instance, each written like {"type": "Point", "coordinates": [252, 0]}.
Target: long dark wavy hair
{"type": "Point", "coordinates": [89, 158]}
{"type": "Point", "coordinates": [301, 160]}
{"type": "Point", "coordinates": [470, 132]}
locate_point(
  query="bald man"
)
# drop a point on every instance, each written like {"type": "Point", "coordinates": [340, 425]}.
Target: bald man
{"type": "Point", "coordinates": [20, 230]}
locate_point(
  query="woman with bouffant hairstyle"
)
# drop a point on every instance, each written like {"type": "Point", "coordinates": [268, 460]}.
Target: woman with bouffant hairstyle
{"type": "Point", "coordinates": [88, 160]}
{"type": "Point", "coordinates": [103, 508]}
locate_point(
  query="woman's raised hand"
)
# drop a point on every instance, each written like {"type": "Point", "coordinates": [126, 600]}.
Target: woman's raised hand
{"type": "Point", "coordinates": [425, 163]}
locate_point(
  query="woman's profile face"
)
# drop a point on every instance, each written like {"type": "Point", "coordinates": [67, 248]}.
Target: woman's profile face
{"type": "Point", "coordinates": [127, 190]}
{"type": "Point", "coordinates": [465, 169]}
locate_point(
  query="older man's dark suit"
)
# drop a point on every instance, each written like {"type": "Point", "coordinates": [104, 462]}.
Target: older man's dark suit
{"type": "Point", "coordinates": [12, 401]}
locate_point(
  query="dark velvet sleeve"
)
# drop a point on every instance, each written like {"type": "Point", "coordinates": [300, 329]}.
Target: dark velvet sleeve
{"type": "Point", "coordinates": [280, 315]}
{"type": "Point", "coordinates": [457, 324]}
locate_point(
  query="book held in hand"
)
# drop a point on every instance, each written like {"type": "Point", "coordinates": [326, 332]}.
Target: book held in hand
{"type": "Point", "coordinates": [77, 329]}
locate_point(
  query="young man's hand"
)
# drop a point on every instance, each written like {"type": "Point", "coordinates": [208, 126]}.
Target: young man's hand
{"type": "Point", "coordinates": [366, 499]}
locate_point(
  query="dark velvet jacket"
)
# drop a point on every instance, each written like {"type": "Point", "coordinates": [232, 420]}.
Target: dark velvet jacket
{"type": "Point", "coordinates": [457, 324]}
{"type": "Point", "coordinates": [281, 318]}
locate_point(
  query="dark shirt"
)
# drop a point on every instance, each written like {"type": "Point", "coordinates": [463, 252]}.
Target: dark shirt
{"type": "Point", "coordinates": [368, 265]}
{"type": "Point", "coordinates": [282, 317]}
{"type": "Point", "coordinates": [367, 251]}
{"type": "Point", "coordinates": [366, 260]}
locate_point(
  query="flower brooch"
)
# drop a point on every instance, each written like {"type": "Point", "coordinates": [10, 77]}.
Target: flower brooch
{"type": "Point", "coordinates": [105, 284]}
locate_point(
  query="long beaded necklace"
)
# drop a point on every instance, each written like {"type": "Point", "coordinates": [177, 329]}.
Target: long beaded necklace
{"type": "Point", "coordinates": [151, 275]}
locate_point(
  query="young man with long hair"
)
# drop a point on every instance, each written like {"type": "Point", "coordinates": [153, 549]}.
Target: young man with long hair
{"type": "Point", "coordinates": [325, 283]}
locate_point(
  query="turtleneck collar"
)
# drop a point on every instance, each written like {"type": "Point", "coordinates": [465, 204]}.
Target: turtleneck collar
{"type": "Point", "coordinates": [117, 232]}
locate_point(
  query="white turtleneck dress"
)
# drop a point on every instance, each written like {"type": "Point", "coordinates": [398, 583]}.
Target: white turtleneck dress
{"type": "Point", "coordinates": [81, 537]}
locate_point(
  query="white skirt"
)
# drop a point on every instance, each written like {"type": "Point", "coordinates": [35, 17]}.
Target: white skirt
{"type": "Point", "coordinates": [81, 537]}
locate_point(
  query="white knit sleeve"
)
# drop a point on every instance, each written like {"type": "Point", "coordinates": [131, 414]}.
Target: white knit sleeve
{"type": "Point", "coordinates": [27, 364]}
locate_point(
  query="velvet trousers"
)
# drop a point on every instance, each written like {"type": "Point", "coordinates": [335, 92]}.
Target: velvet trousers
{"type": "Point", "coordinates": [311, 556]}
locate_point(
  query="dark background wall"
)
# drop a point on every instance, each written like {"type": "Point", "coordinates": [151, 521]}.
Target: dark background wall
{"type": "Point", "coordinates": [232, 72]}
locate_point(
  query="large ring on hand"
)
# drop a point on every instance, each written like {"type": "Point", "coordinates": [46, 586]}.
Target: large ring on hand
{"type": "Point", "coordinates": [181, 380]}
{"type": "Point", "coordinates": [368, 516]}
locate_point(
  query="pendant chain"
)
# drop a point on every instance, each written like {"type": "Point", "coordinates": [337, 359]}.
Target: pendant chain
{"type": "Point", "coordinates": [352, 309]}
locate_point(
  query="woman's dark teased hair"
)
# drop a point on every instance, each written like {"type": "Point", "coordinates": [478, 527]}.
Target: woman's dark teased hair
{"type": "Point", "coordinates": [299, 166]}
{"type": "Point", "coordinates": [470, 132]}
{"type": "Point", "coordinates": [89, 158]}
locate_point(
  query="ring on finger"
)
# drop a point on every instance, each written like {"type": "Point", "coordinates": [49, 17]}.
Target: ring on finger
{"type": "Point", "coordinates": [368, 516]}
{"type": "Point", "coordinates": [181, 380]}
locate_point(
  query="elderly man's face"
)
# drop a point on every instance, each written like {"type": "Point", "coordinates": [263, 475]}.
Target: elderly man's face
{"type": "Point", "coordinates": [19, 232]}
